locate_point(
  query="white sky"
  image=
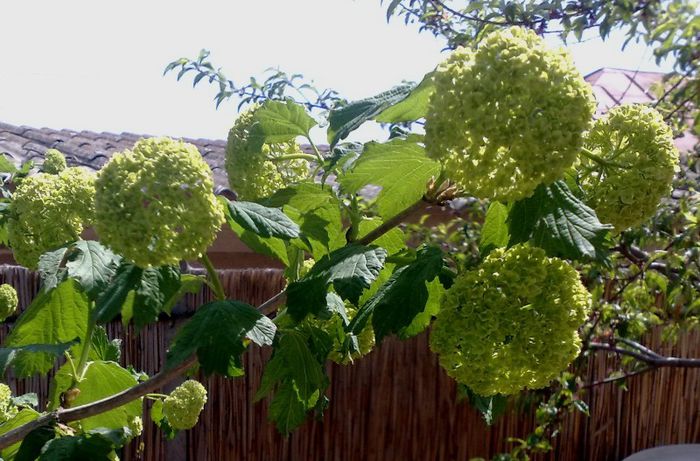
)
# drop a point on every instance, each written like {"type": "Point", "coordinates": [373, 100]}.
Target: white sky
{"type": "Point", "coordinates": [97, 65]}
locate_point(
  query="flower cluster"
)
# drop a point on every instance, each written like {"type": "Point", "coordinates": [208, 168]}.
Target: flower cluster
{"type": "Point", "coordinates": [49, 210]}
{"type": "Point", "coordinates": [183, 406]}
{"type": "Point", "coordinates": [255, 173]}
{"type": "Point", "coordinates": [155, 204]}
{"type": "Point", "coordinates": [54, 162]}
{"type": "Point", "coordinates": [8, 301]}
{"type": "Point", "coordinates": [633, 165]}
{"type": "Point", "coordinates": [512, 322]}
{"type": "Point", "coordinates": [508, 116]}
{"type": "Point", "coordinates": [8, 410]}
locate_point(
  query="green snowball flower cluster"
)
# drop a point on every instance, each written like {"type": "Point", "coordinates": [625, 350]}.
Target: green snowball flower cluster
{"type": "Point", "coordinates": [8, 410]}
{"type": "Point", "coordinates": [49, 210]}
{"type": "Point", "coordinates": [8, 301]}
{"type": "Point", "coordinates": [257, 173]}
{"type": "Point", "coordinates": [54, 162]}
{"type": "Point", "coordinates": [155, 204]}
{"type": "Point", "coordinates": [508, 116]}
{"type": "Point", "coordinates": [632, 166]}
{"type": "Point", "coordinates": [512, 322]}
{"type": "Point", "coordinates": [183, 405]}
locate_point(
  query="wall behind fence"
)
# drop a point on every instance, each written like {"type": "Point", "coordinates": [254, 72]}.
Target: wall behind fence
{"type": "Point", "coordinates": [395, 404]}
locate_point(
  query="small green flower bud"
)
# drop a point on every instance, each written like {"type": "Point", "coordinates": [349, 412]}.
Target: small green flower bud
{"type": "Point", "coordinates": [183, 406]}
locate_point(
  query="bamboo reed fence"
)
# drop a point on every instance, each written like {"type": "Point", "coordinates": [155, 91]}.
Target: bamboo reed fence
{"type": "Point", "coordinates": [395, 404]}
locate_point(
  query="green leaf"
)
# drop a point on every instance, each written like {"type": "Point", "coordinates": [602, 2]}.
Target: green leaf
{"type": "Point", "coordinates": [302, 367]}
{"type": "Point", "coordinates": [152, 294]}
{"type": "Point", "coordinates": [264, 221]}
{"type": "Point", "coordinates": [350, 269]}
{"type": "Point", "coordinates": [286, 409]}
{"type": "Point", "coordinates": [316, 209]}
{"type": "Point", "coordinates": [411, 108]}
{"type": "Point", "coordinates": [93, 446]}
{"type": "Point", "coordinates": [6, 166]}
{"type": "Point", "coordinates": [272, 247]}
{"type": "Point", "coordinates": [24, 416]}
{"type": "Point", "coordinates": [432, 306]}
{"type": "Point", "coordinates": [86, 261]}
{"type": "Point", "coordinates": [490, 407]}
{"type": "Point", "coordinates": [402, 297]}
{"type": "Point", "coordinates": [153, 291]}
{"type": "Point", "coordinates": [277, 121]}
{"type": "Point", "coordinates": [557, 221]}
{"type": "Point", "coordinates": [349, 117]}
{"type": "Point", "coordinates": [111, 301]}
{"type": "Point", "coordinates": [188, 284]}
{"type": "Point", "coordinates": [54, 317]}
{"type": "Point", "coordinates": [102, 348]}
{"type": "Point", "coordinates": [8, 355]}
{"type": "Point", "coordinates": [28, 400]}
{"type": "Point", "coordinates": [161, 421]}
{"type": "Point", "coordinates": [31, 446]}
{"type": "Point", "coordinates": [102, 379]}
{"type": "Point", "coordinates": [298, 377]}
{"type": "Point", "coordinates": [216, 333]}
{"type": "Point", "coordinates": [400, 167]}
{"type": "Point", "coordinates": [494, 233]}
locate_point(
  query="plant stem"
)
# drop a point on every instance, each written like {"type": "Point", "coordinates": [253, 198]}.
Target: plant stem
{"type": "Point", "coordinates": [319, 157]}
{"type": "Point", "coordinates": [82, 363]}
{"type": "Point", "coordinates": [601, 161]}
{"type": "Point", "coordinates": [214, 277]}
{"type": "Point", "coordinates": [282, 158]}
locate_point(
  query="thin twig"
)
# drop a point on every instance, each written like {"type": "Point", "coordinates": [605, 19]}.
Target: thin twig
{"type": "Point", "coordinates": [656, 361]}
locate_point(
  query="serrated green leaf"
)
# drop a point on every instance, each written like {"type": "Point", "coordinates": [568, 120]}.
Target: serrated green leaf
{"type": "Point", "coordinates": [412, 107]}
{"type": "Point", "coordinates": [494, 233]}
{"type": "Point", "coordinates": [103, 348]}
{"type": "Point", "coordinates": [216, 333]}
{"type": "Point", "coordinates": [402, 297]}
{"type": "Point", "coordinates": [91, 446]}
{"type": "Point", "coordinates": [344, 120]}
{"type": "Point", "coordinates": [31, 445]}
{"type": "Point", "coordinates": [302, 367]}
{"type": "Point", "coordinates": [87, 261]}
{"type": "Point", "coordinates": [350, 269]}
{"type": "Point", "coordinates": [432, 306]}
{"type": "Point", "coordinates": [9, 354]}
{"type": "Point", "coordinates": [286, 409]}
{"type": "Point", "coordinates": [154, 290]}
{"type": "Point", "coordinates": [400, 167]}
{"type": "Point", "coordinates": [263, 221]}
{"type": "Point", "coordinates": [54, 317]}
{"type": "Point", "coordinates": [28, 400]}
{"type": "Point", "coordinates": [491, 407]}
{"type": "Point", "coordinates": [316, 209]}
{"type": "Point", "coordinates": [272, 247]}
{"type": "Point", "coordinates": [557, 221]}
{"type": "Point", "coordinates": [111, 301]}
{"type": "Point", "coordinates": [24, 416]}
{"type": "Point", "coordinates": [277, 121]}
{"type": "Point", "coordinates": [102, 379]}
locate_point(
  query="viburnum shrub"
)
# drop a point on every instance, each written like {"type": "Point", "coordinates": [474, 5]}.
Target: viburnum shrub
{"type": "Point", "coordinates": [508, 128]}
